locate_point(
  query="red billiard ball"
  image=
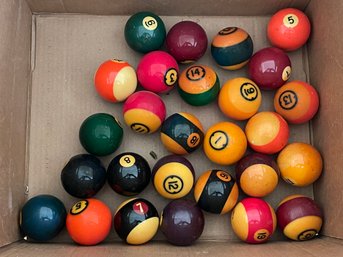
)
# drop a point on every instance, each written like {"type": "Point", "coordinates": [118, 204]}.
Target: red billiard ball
{"type": "Point", "coordinates": [253, 220]}
{"type": "Point", "coordinates": [299, 217]}
{"type": "Point", "coordinates": [289, 29]}
{"type": "Point", "coordinates": [269, 68]}
{"type": "Point", "coordinates": [186, 41]}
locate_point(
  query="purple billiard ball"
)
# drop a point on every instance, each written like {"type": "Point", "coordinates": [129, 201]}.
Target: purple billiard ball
{"type": "Point", "coordinates": [270, 68]}
{"type": "Point", "coordinates": [186, 41]}
{"type": "Point", "coordinates": [182, 222]}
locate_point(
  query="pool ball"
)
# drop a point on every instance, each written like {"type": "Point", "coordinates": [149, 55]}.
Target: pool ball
{"type": "Point", "coordinates": [144, 112]}
{"type": "Point", "coordinates": [297, 102]}
{"type": "Point", "coordinates": [253, 220]}
{"type": "Point", "coordinates": [239, 98]}
{"type": "Point", "coordinates": [288, 29]}
{"type": "Point", "coordinates": [199, 85]}
{"type": "Point", "coordinates": [145, 32]}
{"type": "Point", "coordinates": [216, 191]}
{"type": "Point", "coordinates": [89, 222]}
{"type": "Point", "coordinates": [232, 48]}
{"type": "Point", "coordinates": [182, 222]}
{"type": "Point", "coordinates": [157, 71]}
{"type": "Point", "coordinates": [101, 134]}
{"type": "Point", "coordinates": [267, 132]}
{"type": "Point", "coordinates": [83, 176]}
{"type": "Point", "coordinates": [300, 164]}
{"type": "Point", "coordinates": [257, 174]}
{"type": "Point", "coordinates": [299, 217]}
{"type": "Point", "coordinates": [173, 176]}
{"type": "Point", "coordinates": [186, 41]}
{"type": "Point", "coordinates": [225, 143]}
{"type": "Point", "coordinates": [42, 218]}
{"type": "Point", "coordinates": [270, 68]}
{"type": "Point", "coordinates": [128, 174]}
{"type": "Point", "coordinates": [136, 221]}
{"type": "Point", "coordinates": [182, 133]}
{"type": "Point", "coordinates": [115, 80]}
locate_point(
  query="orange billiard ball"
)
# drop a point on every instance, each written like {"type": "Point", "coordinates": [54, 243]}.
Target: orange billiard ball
{"type": "Point", "coordinates": [297, 102]}
{"type": "Point", "coordinates": [239, 98]}
{"type": "Point", "coordinates": [267, 132]}
{"type": "Point", "coordinates": [300, 164]}
{"type": "Point", "coordinates": [225, 143]}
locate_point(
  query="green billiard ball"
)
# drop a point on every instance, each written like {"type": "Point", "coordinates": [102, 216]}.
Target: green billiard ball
{"type": "Point", "coordinates": [145, 32]}
{"type": "Point", "coordinates": [101, 134]}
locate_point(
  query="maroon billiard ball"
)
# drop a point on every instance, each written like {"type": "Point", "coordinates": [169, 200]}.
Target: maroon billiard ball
{"type": "Point", "coordinates": [270, 68]}
{"type": "Point", "coordinates": [257, 174]}
{"type": "Point", "coordinates": [182, 222]}
{"type": "Point", "coordinates": [186, 41]}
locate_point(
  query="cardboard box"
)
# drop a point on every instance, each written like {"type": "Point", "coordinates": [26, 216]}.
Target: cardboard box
{"type": "Point", "coordinates": [49, 52]}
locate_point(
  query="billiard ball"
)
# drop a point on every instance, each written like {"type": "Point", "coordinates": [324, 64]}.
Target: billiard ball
{"type": "Point", "coordinates": [83, 176]}
{"type": "Point", "coordinates": [216, 191]}
{"type": "Point", "coordinates": [157, 71]}
{"type": "Point", "coordinates": [225, 143]}
{"type": "Point", "coordinates": [115, 80]}
{"type": "Point", "coordinates": [186, 41]}
{"type": "Point", "coordinates": [182, 222]}
{"type": "Point", "coordinates": [232, 48]}
{"type": "Point", "coordinates": [144, 112]}
{"type": "Point", "coordinates": [267, 132]}
{"type": "Point", "coordinates": [239, 98]}
{"type": "Point", "coordinates": [257, 174]}
{"type": "Point", "coordinates": [288, 29]}
{"type": "Point", "coordinates": [173, 176]}
{"type": "Point", "coordinates": [182, 133]}
{"type": "Point", "coordinates": [300, 164]}
{"type": "Point", "coordinates": [136, 221]}
{"type": "Point", "coordinates": [42, 218]}
{"type": "Point", "coordinates": [299, 217]}
{"type": "Point", "coordinates": [128, 174]}
{"type": "Point", "coordinates": [145, 32]}
{"type": "Point", "coordinates": [253, 220]}
{"type": "Point", "coordinates": [270, 68]}
{"type": "Point", "coordinates": [101, 134]}
{"type": "Point", "coordinates": [297, 102]}
{"type": "Point", "coordinates": [89, 222]}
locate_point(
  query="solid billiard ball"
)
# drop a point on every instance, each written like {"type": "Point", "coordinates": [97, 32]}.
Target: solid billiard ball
{"type": "Point", "coordinates": [115, 80]}
{"type": "Point", "coordinates": [145, 32]}
{"type": "Point", "coordinates": [289, 29]}
{"type": "Point", "coordinates": [199, 85]}
{"type": "Point", "coordinates": [101, 134]}
{"type": "Point", "coordinates": [42, 218]}
{"type": "Point", "coordinates": [270, 68]}
{"type": "Point", "coordinates": [89, 222]}
{"type": "Point", "coordinates": [173, 176]}
{"type": "Point", "coordinates": [225, 143]}
{"type": "Point", "coordinates": [157, 71]}
{"type": "Point", "coordinates": [144, 112]}
{"type": "Point", "coordinates": [128, 174]}
{"type": "Point", "coordinates": [182, 222]}
{"type": "Point", "coordinates": [182, 133]}
{"type": "Point", "coordinates": [257, 174]}
{"type": "Point", "coordinates": [186, 41]}
{"type": "Point", "coordinates": [297, 102]}
{"type": "Point", "coordinates": [239, 98]}
{"type": "Point", "coordinates": [232, 48]}
{"type": "Point", "coordinates": [300, 164]}
{"type": "Point", "coordinates": [253, 220]}
{"type": "Point", "coordinates": [216, 191]}
{"type": "Point", "coordinates": [83, 176]}
{"type": "Point", "coordinates": [299, 217]}
{"type": "Point", "coordinates": [136, 221]}
{"type": "Point", "coordinates": [267, 132]}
